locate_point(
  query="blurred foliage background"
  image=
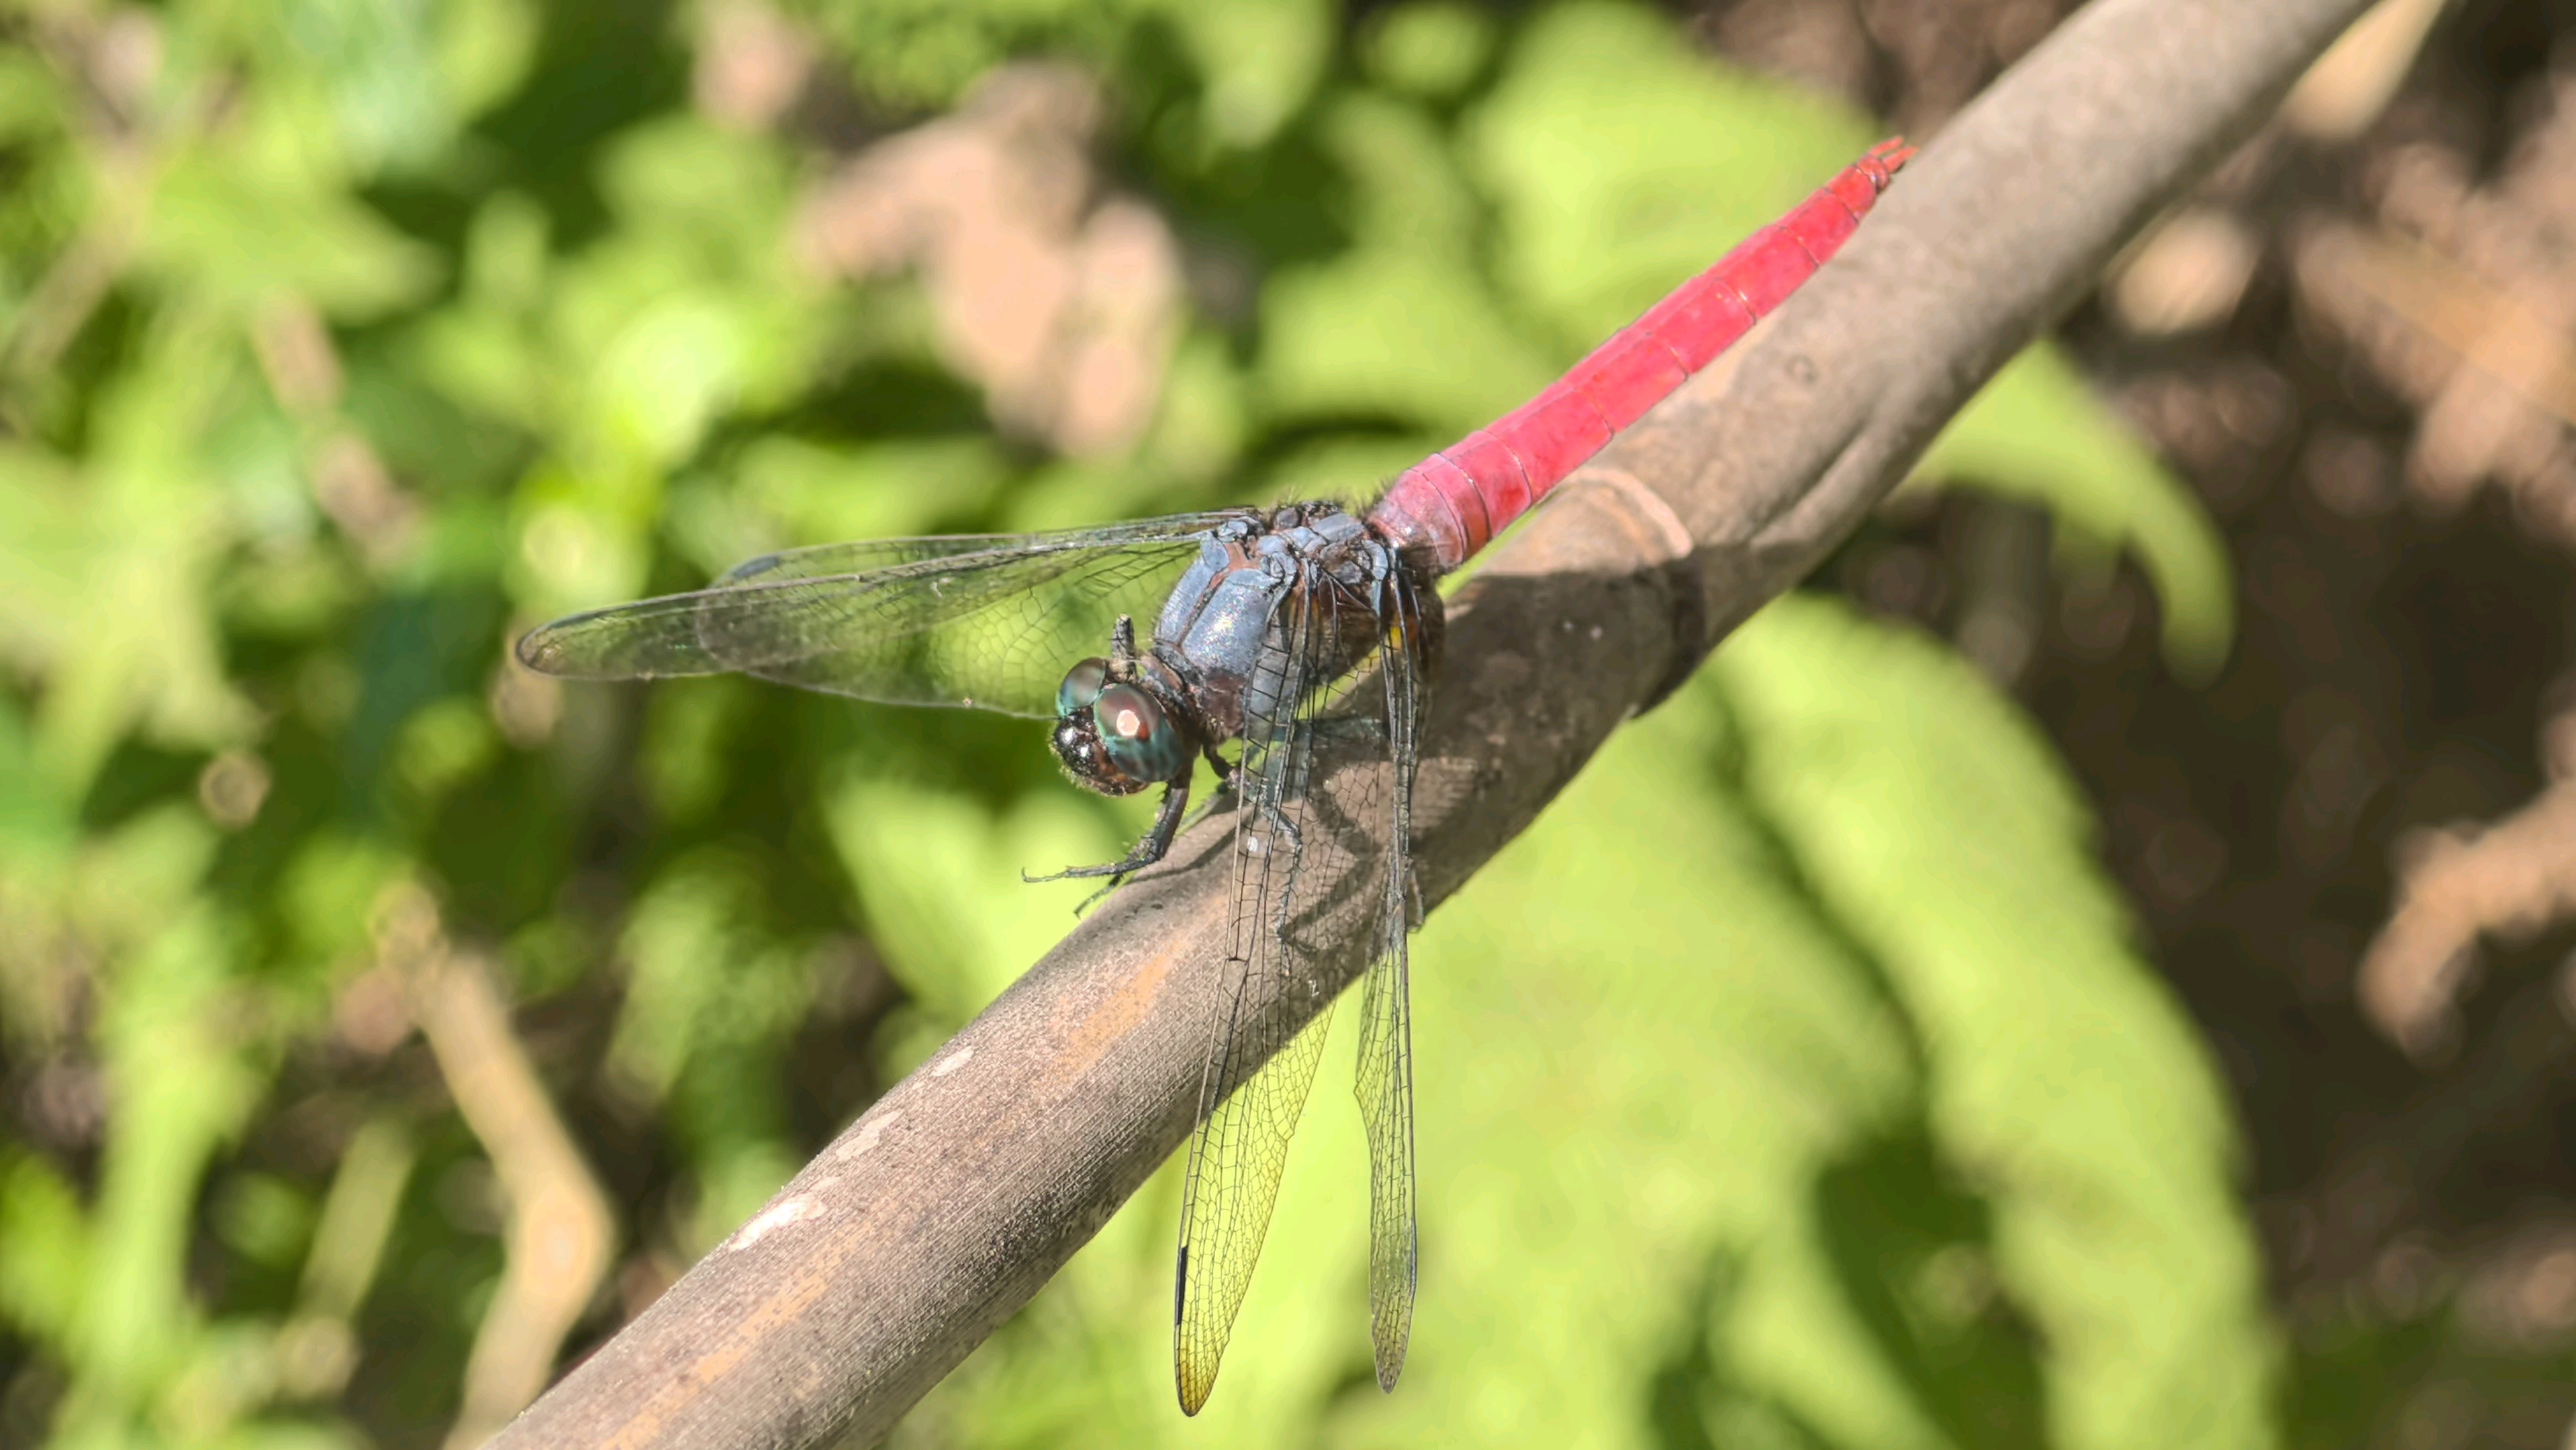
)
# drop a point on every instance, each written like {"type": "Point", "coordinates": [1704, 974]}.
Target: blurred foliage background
{"type": "Point", "coordinates": [2002, 1002]}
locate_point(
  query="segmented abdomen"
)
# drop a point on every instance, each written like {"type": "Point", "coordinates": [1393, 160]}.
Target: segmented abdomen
{"type": "Point", "coordinates": [1448, 506]}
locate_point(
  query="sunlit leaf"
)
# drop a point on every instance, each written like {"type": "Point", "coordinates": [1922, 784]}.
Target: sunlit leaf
{"type": "Point", "coordinates": [246, 238]}
{"type": "Point", "coordinates": [44, 1249]}
{"type": "Point", "coordinates": [1260, 60]}
{"type": "Point", "coordinates": [1621, 161]}
{"type": "Point", "coordinates": [483, 49]}
{"type": "Point", "coordinates": [182, 1089]}
{"type": "Point", "coordinates": [680, 942]}
{"type": "Point", "coordinates": [2061, 1077]}
{"type": "Point", "coordinates": [1387, 334]}
{"type": "Point", "coordinates": [912, 851]}
{"type": "Point", "coordinates": [1430, 47]}
{"type": "Point", "coordinates": [370, 62]}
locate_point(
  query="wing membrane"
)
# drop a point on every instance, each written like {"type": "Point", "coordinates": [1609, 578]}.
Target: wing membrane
{"type": "Point", "coordinates": [1302, 826]}
{"type": "Point", "coordinates": [988, 620]}
{"type": "Point", "coordinates": [1384, 1082]}
{"type": "Point", "coordinates": [1255, 1086]}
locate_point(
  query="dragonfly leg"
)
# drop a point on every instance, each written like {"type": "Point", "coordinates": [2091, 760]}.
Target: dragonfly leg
{"type": "Point", "coordinates": [1219, 799]}
{"type": "Point", "coordinates": [1157, 840]}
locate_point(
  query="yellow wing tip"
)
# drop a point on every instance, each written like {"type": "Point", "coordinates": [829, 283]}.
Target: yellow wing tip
{"type": "Point", "coordinates": [1193, 1387]}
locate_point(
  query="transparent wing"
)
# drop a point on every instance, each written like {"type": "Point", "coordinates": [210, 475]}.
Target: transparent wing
{"type": "Point", "coordinates": [987, 620]}
{"type": "Point", "coordinates": [1310, 852]}
{"type": "Point", "coordinates": [1384, 1082]}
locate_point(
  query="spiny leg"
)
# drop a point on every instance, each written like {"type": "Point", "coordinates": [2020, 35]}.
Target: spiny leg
{"type": "Point", "coordinates": [1157, 840]}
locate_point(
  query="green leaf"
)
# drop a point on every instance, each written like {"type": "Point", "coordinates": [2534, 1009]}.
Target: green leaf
{"type": "Point", "coordinates": [2061, 1077]}
{"type": "Point", "coordinates": [782, 492]}
{"type": "Point", "coordinates": [682, 939]}
{"type": "Point", "coordinates": [329, 885]}
{"type": "Point", "coordinates": [44, 1249]}
{"type": "Point", "coordinates": [1621, 161]}
{"type": "Point", "coordinates": [1401, 325]}
{"type": "Point", "coordinates": [939, 879]}
{"type": "Point", "coordinates": [1428, 47]}
{"type": "Point", "coordinates": [114, 563]}
{"type": "Point", "coordinates": [926, 53]}
{"type": "Point", "coordinates": [483, 50]}
{"type": "Point", "coordinates": [1406, 190]}
{"type": "Point", "coordinates": [37, 824]}
{"type": "Point", "coordinates": [182, 1084]}
{"type": "Point", "coordinates": [1391, 334]}
{"type": "Point", "coordinates": [1261, 60]}
{"type": "Point", "coordinates": [134, 880]}
{"type": "Point", "coordinates": [245, 235]}
{"type": "Point", "coordinates": [370, 61]}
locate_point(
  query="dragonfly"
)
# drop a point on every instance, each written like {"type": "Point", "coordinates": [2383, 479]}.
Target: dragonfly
{"type": "Point", "coordinates": [1305, 634]}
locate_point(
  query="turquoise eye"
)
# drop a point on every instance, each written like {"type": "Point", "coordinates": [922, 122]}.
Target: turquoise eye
{"type": "Point", "coordinates": [1081, 686]}
{"type": "Point", "coordinates": [1139, 742]}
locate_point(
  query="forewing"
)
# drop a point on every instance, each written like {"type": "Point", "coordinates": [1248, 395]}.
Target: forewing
{"type": "Point", "coordinates": [988, 620]}
{"type": "Point", "coordinates": [1235, 1164]}
{"type": "Point", "coordinates": [1255, 1085]}
{"type": "Point", "coordinates": [867, 556]}
{"type": "Point", "coordinates": [1302, 825]}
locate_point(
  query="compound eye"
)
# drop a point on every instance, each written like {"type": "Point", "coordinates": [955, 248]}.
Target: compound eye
{"type": "Point", "coordinates": [1081, 686]}
{"type": "Point", "coordinates": [1136, 737]}
{"type": "Point", "coordinates": [1127, 716]}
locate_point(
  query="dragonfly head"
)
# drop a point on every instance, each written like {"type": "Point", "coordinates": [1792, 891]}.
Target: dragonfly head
{"type": "Point", "coordinates": [1113, 736]}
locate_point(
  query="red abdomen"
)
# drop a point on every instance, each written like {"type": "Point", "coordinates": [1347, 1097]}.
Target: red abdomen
{"type": "Point", "coordinates": [1448, 506]}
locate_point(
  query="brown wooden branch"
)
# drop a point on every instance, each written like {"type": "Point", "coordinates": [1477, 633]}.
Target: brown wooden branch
{"type": "Point", "coordinates": [966, 1186]}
